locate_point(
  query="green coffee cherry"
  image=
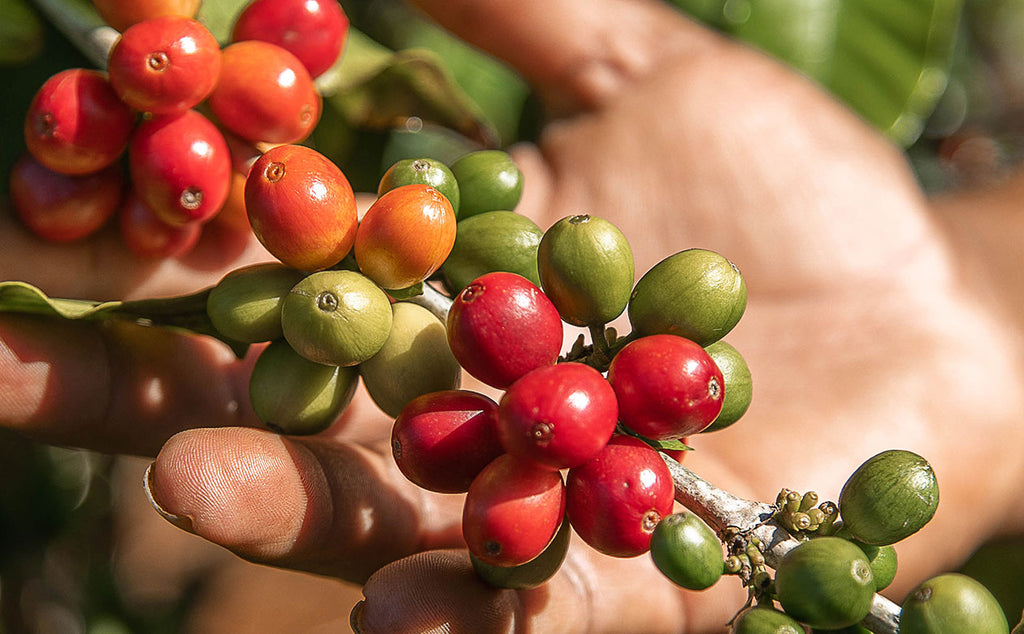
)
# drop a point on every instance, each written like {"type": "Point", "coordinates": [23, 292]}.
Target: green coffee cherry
{"type": "Point", "coordinates": [336, 317]}
{"type": "Point", "coordinates": [687, 551]}
{"type": "Point", "coordinates": [765, 620]}
{"type": "Point", "coordinates": [293, 395]}
{"type": "Point", "coordinates": [245, 305]}
{"type": "Point", "coordinates": [825, 582]}
{"type": "Point", "coordinates": [414, 360]}
{"type": "Point", "coordinates": [853, 629]}
{"type": "Point", "coordinates": [952, 603]}
{"type": "Point", "coordinates": [531, 574]}
{"type": "Point", "coordinates": [889, 497]}
{"type": "Point", "coordinates": [586, 269]}
{"type": "Point", "coordinates": [696, 294]}
{"type": "Point", "coordinates": [492, 241]}
{"type": "Point", "coordinates": [489, 180]}
{"type": "Point", "coordinates": [738, 384]}
{"type": "Point", "coordinates": [422, 171]}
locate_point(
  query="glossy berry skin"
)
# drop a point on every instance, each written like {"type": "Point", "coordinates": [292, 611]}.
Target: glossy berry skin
{"type": "Point", "coordinates": [149, 237]}
{"type": "Point", "coordinates": [63, 208]}
{"type": "Point", "coordinates": [668, 387]}
{"type": "Point", "coordinates": [265, 94]}
{"type": "Point", "coordinates": [558, 415]}
{"type": "Point", "coordinates": [301, 207]}
{"type": "Point", "coordinates": [180, 166]}
{"type": "Point", "coordinates": [166, 65]}
{"type": "Point", "coordinates": [615, 500]}
{"type": "Point", "coordinates": [512, 511]}
{"type": "Point", "coordinates": [405, 236]}
{"type": "Point", "coordinates": [501, 326]}
{"type": "Point", "coordinates": [442, 440]}
{"type": "Point", "coordinates": [76, 124]}
{"type": "Point", "coordinates": [313, 30]}
{"type": "Point", "coordinates": [121, 14]}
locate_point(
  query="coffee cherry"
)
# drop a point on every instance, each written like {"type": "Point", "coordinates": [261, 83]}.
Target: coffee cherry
{"type": "Point", "coordinates": [292, 395]}
{"type": "Point", "coordinates": [883, 564]}
{"type": "Point", "coordinates": [668, 387]}
{"type": "Point", "coordinates": [442, 440]}
{"type": "Point", "coordinates": [489, 180]}
{"type": "Point", "coordinates": [687, 551]}
{"type": "Point", "coordinates": [61, 207]}
{"type": "Point", "coordinates": [696, 294]}
{"type": "Point", "coordinates": [533, 573]}
{"type": "Point", "coordinates": [147, 236]}
{"type": "Point", "coordinates": [245, 305]}
{"type": "Point", "coordinates": [558, 415]}
{"type": "Point", "coordinates": [314, 31]}
{"type": "Point", "coordinates": [232, 214]}
{"type": "Point", "coordinates": [616, 499]}
{"type": "Point", "coordinates": [336, 318]}
{"type": "Point", "coordinates": [493, 241]}
{"type": "Point", "coordinates": [586, 269]}
{"type": "Point", "coordinates": [405, 236]}
{"type": "Point", "coordinates": [165, 65]}
{"type": "Point", "coordinates": [825, 582]}
{"type": "Point", "coordinates": [122, 14]}
{"type": "Point", "coordinates": [501, 326]}
{"type": "Point", "coordinates": [76, 124]}
{"type": "Point", "coordinates": [765, 620]}
{"type": "Point", "coordinates": [736, 381]}
{"type": "Point", "coordinates": [414, 360]}
{"type": "Point", "coordinates": [512, 511]}
{"type": "Point", "coordinates": [265, 94]}
{"type": "Point", "coordinates": [301, 207]}
{"type": "Point", "coordinates": [952, 603]}
{"type": "Point", "coordinates": [889, 497]}
{"type": "Point", "coordinates": [180, 167]}
{"type": "Point", "coordinates": [422, 171]}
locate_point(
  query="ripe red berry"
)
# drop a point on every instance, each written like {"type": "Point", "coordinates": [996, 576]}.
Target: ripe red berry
{"type": "Point", "coordinates": [615, 500]}
{"type": "Point", "coordinates": [668, 387]}
{"type": "Point", "coordinates": [180, 166]}
{"type": "Point", "coordinates": [265, 94]}
{"type": "Point", "coordinates": [512, 511]}
{"type": "Point", "coordinates": [313, 30]}
{"type": "Point", "coordinates": [61, 207]}
{"type": "Point", "coordinates": [501, 326]}
{"type": "Point", "coordinates": [122, 14]}
{"type": "Point", "coordinates": [442, 440]}
{"type": "Point", "coordinates": [147, 236]}
{"type": "Point", "coordinates": [301, 207]}
{"type": "Point", "coordinates": [558, 415]}
{"type": "Point", "coordinates": [76, 124]}
{"type": "Point", "coordinates": [165, 65]}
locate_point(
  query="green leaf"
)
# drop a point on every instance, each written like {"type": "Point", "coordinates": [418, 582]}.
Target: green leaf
{"type": "Point", "coordinates": [661, 445]}
{"type": "Point", "coordinates": [887, 60]}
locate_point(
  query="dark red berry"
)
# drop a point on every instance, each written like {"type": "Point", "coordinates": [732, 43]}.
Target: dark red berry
{"type": "Point", "coordinates": [442, 440]}
{"type": "Point", "coordinates": [313, 30]}
{"type": "Point", "coordinates": [558, 415]}
{"type": "Point", "coordinates": [668, 387]}
{"type": "Point", "coordinates": [512, 511]}
{"type": "Point", "coordinates": [615, 500]}
{"type": "Point", "coordinates": [501, 326]}
{"type": "Point", "coordinates": [147, 236]}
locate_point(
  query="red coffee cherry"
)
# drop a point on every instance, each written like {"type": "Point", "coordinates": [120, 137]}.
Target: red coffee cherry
{"type": "Point", "coordinates": [147, 236]}
{"type": "Point", "coordinates": [301, 207]}
{"type": "Point", "coordinates": [442, 440]}
{"type": "Point", "coordinates": [558, 415]}
{"type": "Point", "coordinates": [313, 30]}
{"type": "Point", "coordinates": [501, 326]}
{"type": "Point", "coordinates": [668, 387]}
{"type": "Point", "coordinates": [615, 500]}
{"type": "Point", "coordinates": [61, 207]}
{"type": "Point", "coordinates": [76, 124]}
{"type": "Point", "coordinates": [265, 94]}
{"type": "Point", "coordinates": [166, 65]}
{"type": "Point", "coordinates": [122, 14]}
{"type": "Point", "coordinates": [180, 166]}
{"type": "Point", "coordinates": [512, 511]}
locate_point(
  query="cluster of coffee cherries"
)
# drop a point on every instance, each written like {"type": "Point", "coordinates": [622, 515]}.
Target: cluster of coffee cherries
{"type": "Point", "coordinates": [162, 140]}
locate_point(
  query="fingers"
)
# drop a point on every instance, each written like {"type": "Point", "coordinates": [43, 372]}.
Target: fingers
{"type": "Point", "coordinates": [308, 504]}
{"type": "Point", "coordinates": [577, 54]}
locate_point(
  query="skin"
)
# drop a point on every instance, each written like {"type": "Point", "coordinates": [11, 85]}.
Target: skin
{"type": "Point", "coordinates": [876, 319]}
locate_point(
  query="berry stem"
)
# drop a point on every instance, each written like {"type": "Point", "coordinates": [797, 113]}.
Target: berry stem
{"type": "Point", "coordinates": [722, 510]}
{"type": "Point", "coordinates": [435, 301]}
{"type": "Point", "coordinates": [82, 26]}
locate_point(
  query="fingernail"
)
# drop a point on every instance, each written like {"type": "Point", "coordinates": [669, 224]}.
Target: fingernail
{"type": "Point", "coordinates": [355, 618]}
{"type": "Point", "coordinates": [181, 521]}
